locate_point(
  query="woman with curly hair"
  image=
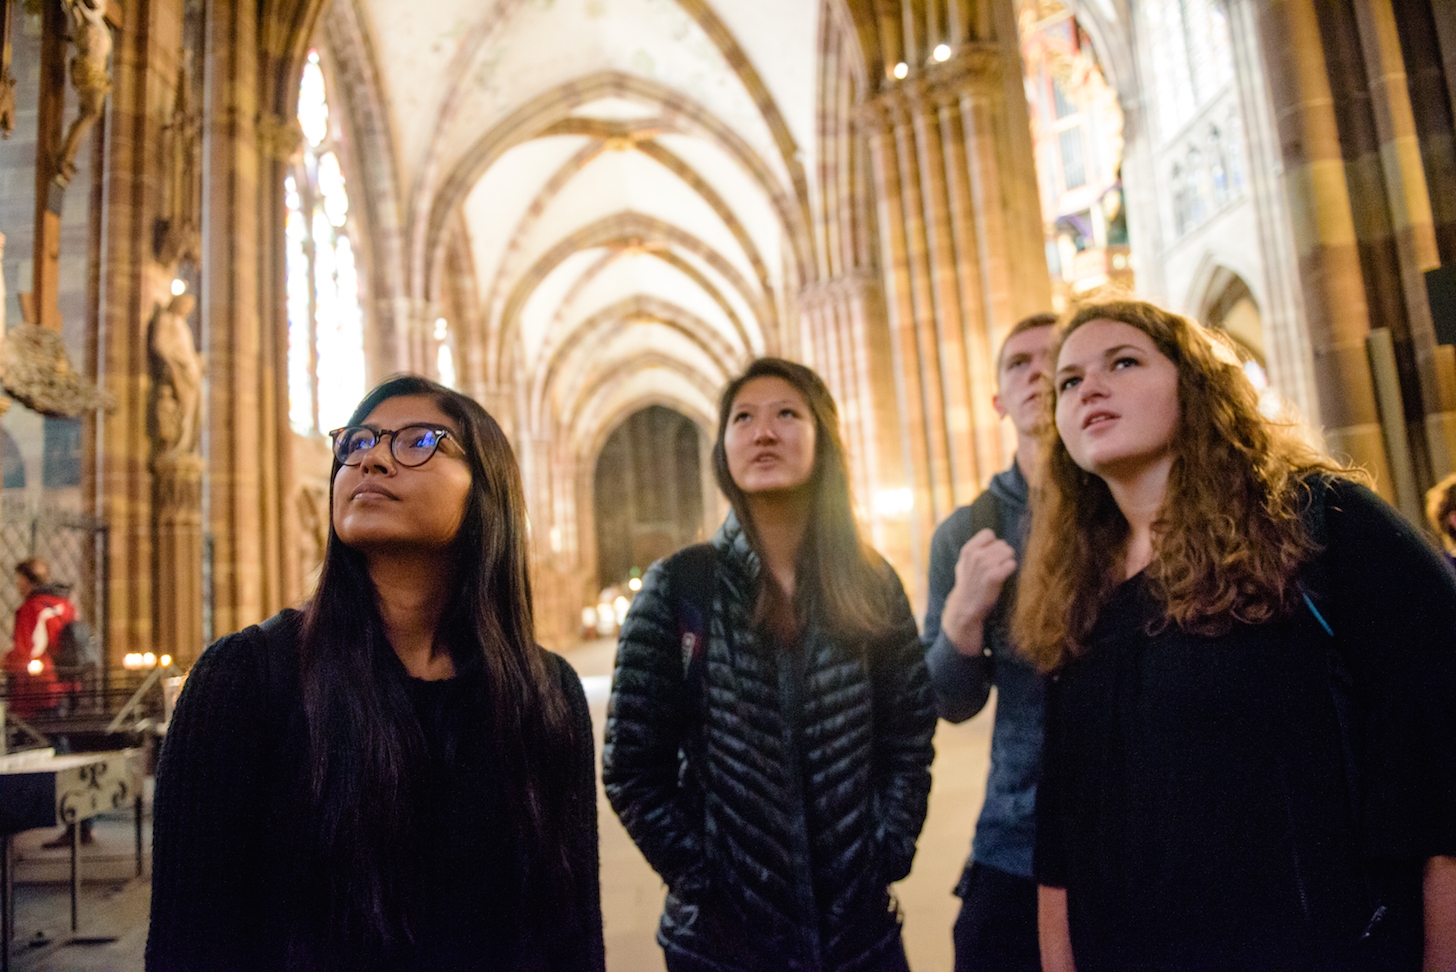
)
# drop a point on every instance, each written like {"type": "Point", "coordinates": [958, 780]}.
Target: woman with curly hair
{"type": "Point", "coordinates": [1249, 753]}
{"type": "Point", "coordinates": [1441, 512]}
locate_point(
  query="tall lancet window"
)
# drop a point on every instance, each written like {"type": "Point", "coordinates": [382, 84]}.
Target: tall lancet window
{"type": "Point", "coordinates": [325, 313]}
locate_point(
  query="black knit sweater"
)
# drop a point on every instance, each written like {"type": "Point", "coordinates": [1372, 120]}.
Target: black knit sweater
{"type": "Point", "coordinates": [226, 891]}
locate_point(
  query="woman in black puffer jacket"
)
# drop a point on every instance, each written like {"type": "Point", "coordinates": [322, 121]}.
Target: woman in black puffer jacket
{"type": "Point", "coordinates": [769, 736]}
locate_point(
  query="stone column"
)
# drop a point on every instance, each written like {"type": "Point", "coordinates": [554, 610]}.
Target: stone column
{"type": "Point", "coordinates": [177, 508]}
{"type": "Point", "coordinates": [248, 453]}
{"type": "Point", "coordinates": [960, 235]}
{"type": "Point", "coordinates": [1412, 222]}
{"type": "Point", "coordinates": [1325, 238]}
{"type": "Point", "coordinates": [145, 61]}
{"type": "Point", "coordinates": [1291, 362]}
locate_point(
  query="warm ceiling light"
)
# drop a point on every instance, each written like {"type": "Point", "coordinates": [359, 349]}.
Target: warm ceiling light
{"type": "Point", "coordinates": [941, 52]}
{"type": "Point", "coordinates": [179, 287]}
{"type": "Point", "coordinates": [901, 70]}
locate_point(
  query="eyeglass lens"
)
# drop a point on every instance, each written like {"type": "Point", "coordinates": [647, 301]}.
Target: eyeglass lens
{"type": "Point", "coordinates": [412, 445]}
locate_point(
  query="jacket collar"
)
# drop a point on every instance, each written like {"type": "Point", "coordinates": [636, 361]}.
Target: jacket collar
{"type": "Point", "coordinates": [731, 542]}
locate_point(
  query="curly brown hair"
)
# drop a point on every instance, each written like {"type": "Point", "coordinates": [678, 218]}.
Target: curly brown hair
{"type": "Point", "coordinates": [1440, 504]}
{"type": "Point", "coordinates": [1230, 537]}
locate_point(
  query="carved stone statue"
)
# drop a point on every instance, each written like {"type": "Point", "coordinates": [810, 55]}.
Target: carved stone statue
{"type": "Point", "coordinates": [313, 521]}
{"type": "Point", "coordinates": [89, 76]}
{"type": "Point", "coordinates": [7, 102]}
{"type": "Point", "coordinates": [178, 383]}
{"type": "Point", "coordinates": [37, 372]}
{"type": "Point", "coordinates": [7, 80]}
{"type": "Point", "coordinates": [179, 235]}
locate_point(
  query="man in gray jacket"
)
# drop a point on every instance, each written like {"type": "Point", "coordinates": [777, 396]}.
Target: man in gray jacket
{"type": "Point", "coordinates": [973, 558]}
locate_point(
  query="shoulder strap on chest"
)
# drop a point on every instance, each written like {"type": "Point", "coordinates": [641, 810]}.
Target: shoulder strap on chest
{"type": "Point", "coordinates": [690, 574]}
{"type": "Point", "coordinates": [986, 514]}
{"type": "Point", "coordinates": [1315, 592]}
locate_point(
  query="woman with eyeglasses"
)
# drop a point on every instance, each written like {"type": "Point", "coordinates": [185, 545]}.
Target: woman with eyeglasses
{"type": "Point", "coordinates": [768, 736]}
{"type": "Point", "coordinates": [396, 777]}
{"type": "Point", "coordinates": [1250, 757]}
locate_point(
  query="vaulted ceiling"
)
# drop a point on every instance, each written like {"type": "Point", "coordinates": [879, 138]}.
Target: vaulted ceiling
{"type": "Point", "coordinates": [630, 179]}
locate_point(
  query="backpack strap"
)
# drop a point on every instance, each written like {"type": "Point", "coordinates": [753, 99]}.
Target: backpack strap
{"type": "Point", "coordinates": [691, 572]}
{"type": "Point", "coordinates": [986, 515]}
{"type": "Point", "coordinates": [1314, 590]}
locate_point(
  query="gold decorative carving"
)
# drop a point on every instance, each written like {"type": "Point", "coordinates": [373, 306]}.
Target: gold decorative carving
{"type": "Point", "coordinates": [278, 137]}
{"type": "Point", "coordinates": [90, 76]}
{"type": "Point", "coordinates": [37, 373]}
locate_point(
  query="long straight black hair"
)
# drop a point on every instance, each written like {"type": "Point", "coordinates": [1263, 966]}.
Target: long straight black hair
{"type": "Point", "coordinates": [365, 743]}
{"type": "Point", "coordinates": [836, 569]}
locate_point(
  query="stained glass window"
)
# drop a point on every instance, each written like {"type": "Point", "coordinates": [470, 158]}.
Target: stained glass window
{"type": "Point", "coordinates": [325, 312]}
{"type": "Point", "coordinates": [1188, 43]}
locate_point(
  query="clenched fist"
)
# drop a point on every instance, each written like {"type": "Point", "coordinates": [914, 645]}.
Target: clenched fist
{"type": "Point", "coordinates": [981, 571]}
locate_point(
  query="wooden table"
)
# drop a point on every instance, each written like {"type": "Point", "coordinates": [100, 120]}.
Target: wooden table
{"type": "Point", "coordinates": [41, 789]}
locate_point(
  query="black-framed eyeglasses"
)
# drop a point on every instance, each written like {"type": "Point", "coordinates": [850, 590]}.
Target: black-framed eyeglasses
{"type": "Point", "coordinates": [412, 445]}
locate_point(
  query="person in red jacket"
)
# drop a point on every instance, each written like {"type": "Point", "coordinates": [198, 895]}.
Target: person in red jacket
{"type": "Point", "coordinates": [44, 611]}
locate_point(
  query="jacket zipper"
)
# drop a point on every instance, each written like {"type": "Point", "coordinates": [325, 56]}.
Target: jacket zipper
{"type": "Point", "coordinates": [791, 691]}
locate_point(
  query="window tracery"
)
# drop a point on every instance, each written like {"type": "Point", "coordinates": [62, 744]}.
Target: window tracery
{"type": "Point", "coordinates": [1188, 41]}
{"type": "Point", "coordinates": [1207, 173]}
{"type": "Point", "coordinates": [324, 292]}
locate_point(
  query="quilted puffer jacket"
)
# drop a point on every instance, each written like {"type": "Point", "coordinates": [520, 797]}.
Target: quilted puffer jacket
{"type": "Point", "coordinates": [780, 798]}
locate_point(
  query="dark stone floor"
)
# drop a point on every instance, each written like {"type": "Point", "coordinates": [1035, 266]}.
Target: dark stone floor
{"type": "Point", "coordinates": [113, 907]}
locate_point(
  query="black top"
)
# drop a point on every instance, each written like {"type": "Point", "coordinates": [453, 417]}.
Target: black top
{"type": "Point", "coordinates": [1195, 800]}
{"type": "Point", "coordinates": [225, 891]}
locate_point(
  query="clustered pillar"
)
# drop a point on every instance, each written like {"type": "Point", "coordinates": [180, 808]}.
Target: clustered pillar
{"type": "Point", "coordinates": [952, 190]}
{"type": "Point", "coordinates": [1356, 178]}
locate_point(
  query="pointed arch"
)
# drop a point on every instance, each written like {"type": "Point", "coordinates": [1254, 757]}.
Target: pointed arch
{"type": "Point", "coordinates": [589, 334]}
{"type": "Point", "coordinates": [622, 230]}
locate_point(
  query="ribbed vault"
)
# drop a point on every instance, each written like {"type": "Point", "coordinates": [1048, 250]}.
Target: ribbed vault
{"type": "Point", "coordinates": [608, 203]}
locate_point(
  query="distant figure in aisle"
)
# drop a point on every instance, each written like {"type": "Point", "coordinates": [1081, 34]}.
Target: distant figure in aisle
{"type": "Point", "coordinates": [973, 558]}
{"type": "Point", "coordinates": [1249, 758]}
{"type": "Point", "coordinates": [768, 735]}
{"type": "Point", "coordinates": [30, 667]}
{"type": "Point", "coordinates": [396, 777]}
{"type": "Point", "coordinates": [1441, 512]}
{"type": "Point", "coordinates": [35, 685]}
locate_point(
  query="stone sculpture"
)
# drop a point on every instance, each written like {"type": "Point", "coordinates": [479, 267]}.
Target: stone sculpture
{"type": "Point", "coordinates": [89, 76]}
{"type": "Point", "coordinates": [179, 235]}
{"type": "Point", "coordinates": [313, 521]}
{"type": "Point", "coordinates": [178, 379]}
{"type": "Point", "coordinates": [37, 372]}
{"type": "Point", "coordinates": [7, 80]}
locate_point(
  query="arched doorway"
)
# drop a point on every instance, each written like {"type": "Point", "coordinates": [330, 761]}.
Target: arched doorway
{"type": "Point", "coordinates": [1231, 307]}
{"type": "Point", "coordinates": [647, 492]}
